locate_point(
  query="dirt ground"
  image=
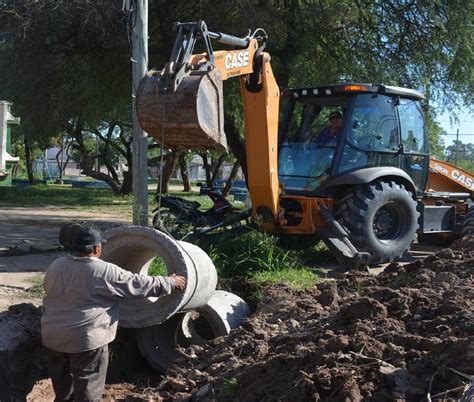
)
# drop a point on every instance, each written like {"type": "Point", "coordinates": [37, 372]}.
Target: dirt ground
{"type": "Point", "coordinates": [401, 335]}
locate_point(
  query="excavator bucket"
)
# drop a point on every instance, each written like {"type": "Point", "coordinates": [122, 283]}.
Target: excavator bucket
{"type": "Point", "coordinates": [190, 117]}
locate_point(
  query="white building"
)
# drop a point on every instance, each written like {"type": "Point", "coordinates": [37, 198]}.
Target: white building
{"type": "Point", "coordinates": [6, 160]}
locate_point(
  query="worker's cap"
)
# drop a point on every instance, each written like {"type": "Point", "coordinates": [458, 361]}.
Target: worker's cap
{"type": "Point", "coordinates": [335, 115]}
{"type": "Point", "coordinates": [87, 237]}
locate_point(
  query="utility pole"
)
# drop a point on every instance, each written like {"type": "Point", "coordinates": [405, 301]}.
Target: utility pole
{"type": "Point", "coordinates": [140, 138]}
{"type": "Point", "coordinates": [456, 148]}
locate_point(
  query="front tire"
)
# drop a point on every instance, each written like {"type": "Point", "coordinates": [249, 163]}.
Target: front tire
{"type": "Point", "coordinates": [381, 218]}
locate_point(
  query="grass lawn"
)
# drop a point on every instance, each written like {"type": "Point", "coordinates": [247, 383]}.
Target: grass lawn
{"type": "Point", "coordinates": [53, 195]}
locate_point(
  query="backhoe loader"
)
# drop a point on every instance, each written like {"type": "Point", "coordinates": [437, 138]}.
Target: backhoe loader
{"type": "Point", "coordinates": [367, 193]}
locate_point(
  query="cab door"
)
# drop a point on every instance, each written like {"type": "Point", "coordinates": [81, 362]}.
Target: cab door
{"type": "Point", "coordinates": [372, 135]}
{"type": "Point", "coordinates": [415, 149]}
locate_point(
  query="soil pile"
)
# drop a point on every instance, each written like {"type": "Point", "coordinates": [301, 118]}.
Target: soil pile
{"type": "Point", "coordinates": [403, 334]}
{"type": "Point", "coordinates": [400, 335]}
{"type": "Point", "coordinates": [22, 358]}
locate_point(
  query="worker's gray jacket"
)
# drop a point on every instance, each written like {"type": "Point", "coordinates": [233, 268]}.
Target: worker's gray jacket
{"type": "Point", "coordinates": [80, 309]}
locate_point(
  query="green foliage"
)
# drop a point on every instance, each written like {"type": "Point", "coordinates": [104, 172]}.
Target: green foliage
{"type": "Point", "coordinates": [157, 267]}
{"type": "Point", "coordinates": [434, 133]}
{"type": "Point", "coordinates": [81, 58]}
{"type": "Point", "coordinates": [251, 252]}
{"type": "Point", "coordinates": [257, 255]}
{"type": "Point", "coordinates": [462, 155]}
{"type": "Point", "coordinates": [81, 51]}
{"type": "Point", "coordinates": [37, 289]}
{"type": "Point", "coordinates": [297, 278]}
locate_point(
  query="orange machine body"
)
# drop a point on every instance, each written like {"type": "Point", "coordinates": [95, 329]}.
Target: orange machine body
{"type": "Point", "coordinates": [444, 176]}
{"type": "Point", "coordinates": [261, 120]}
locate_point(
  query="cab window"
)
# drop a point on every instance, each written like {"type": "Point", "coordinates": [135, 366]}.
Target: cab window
{"type": "Point", "coordinates": [373, 125]}
{"type": "Point", "coordinates": [412, 126]}
{"type": "Point", "coordinates": [372, 137]}
{"type": "Point", "coordinates": [306, 147]}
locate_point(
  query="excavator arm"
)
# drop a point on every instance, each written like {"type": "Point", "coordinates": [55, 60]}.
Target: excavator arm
{"type": "Point", "coordinates": [182, 105]}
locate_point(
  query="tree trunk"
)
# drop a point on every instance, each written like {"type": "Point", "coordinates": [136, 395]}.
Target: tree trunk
{"type": "Point", "coordinates": [29, 162]}
{"type": "Point", "coordinates": [184, 171]}
{"type": "Point", "coordinates": [126, 183]}
{"type": "Point", "coordinates": [89, 171]}
{"type": "Point", "coordinates": [207, 167]}
{"type": "Point", "coordinates": [230, 180]}
{"type": "Point", "coordinates": [216, 168]}
{"type": "Point", "coordinates": [88, 162]}
{"type": "Point", "coordinates": [62, 166]}
{"type": "Point", "coordinates": [170, 160]}
{"type": "Point", "coordinates": [236, 144]}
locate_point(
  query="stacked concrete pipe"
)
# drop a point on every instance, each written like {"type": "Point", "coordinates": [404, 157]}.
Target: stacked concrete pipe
{"type": "Point", "coordinates": [165, 322]}
{"type": "Point", "coordinates": [222, 313]}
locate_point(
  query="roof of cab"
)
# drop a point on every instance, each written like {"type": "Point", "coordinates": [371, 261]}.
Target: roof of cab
{"type": "Point", "coordinates": [349, 87]}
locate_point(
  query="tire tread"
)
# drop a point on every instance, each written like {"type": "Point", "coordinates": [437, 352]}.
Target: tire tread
{"type": "Point", "coordinates": [353, 208]}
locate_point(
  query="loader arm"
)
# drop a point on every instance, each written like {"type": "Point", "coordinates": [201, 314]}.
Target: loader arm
{"type": "Point", "coordinates": [444, 176]}
{"type": "Point", "coordinates": [182, 105]}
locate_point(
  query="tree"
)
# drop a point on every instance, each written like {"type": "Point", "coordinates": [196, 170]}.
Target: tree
{"type": "Point", "coordinates": [462, 155]}
{"type": "Point", "coordinates": [231, 178]}
{"type": "Point", "coordinates": [82, 74]}
{"type": "Point", "coordinates": [64, 150]}
{"type": "Point", "coordinates": [435, 133]}
{"type": "Point", "coordinates": [170, 160]}
{"type": "Point", "coordinates": [81, 54]}
{"type": "Point", "coordinates": [116, 145]}
{"type": "Point", "coordinates": [422, 45]}
{"type": "Point", "coordinates": [183, 166]}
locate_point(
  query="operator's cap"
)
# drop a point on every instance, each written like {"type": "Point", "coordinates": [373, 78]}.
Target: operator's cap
{"type": "Point", "coordinates": [333, 115]}
{"type": "Point", "coordinates": [87, 237]}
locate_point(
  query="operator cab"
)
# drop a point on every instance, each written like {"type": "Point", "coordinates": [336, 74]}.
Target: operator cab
{"type": "Point", "coordinates": [381, 126]}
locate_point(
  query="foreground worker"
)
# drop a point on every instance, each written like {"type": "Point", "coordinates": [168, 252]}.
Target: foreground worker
{"type": "Point", "coordinates": [81, 313]}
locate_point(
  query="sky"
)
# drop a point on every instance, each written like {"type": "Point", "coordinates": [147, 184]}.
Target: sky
{"type": "Point", "coordinates": [465, 124]}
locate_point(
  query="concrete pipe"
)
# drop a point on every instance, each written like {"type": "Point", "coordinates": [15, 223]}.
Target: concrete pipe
{"type": "Point", "coordinates": [157, 344]}
{"type": "Point", "coordinates": [223, 312]}
{"type": "Point", "coordinates": [134, 247]}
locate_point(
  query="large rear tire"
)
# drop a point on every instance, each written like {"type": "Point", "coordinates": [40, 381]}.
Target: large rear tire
{"type": "Point", "coordinates": [468, 223]}
{"type": "Point", "coordinates": [382, 219]}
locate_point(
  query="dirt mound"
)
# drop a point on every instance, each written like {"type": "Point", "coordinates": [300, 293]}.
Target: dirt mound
{"type": "Point", "coordinates": [400, 335]}
{"type": "Point", "coordinates": [22, 358]}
